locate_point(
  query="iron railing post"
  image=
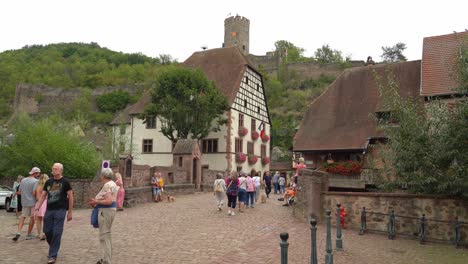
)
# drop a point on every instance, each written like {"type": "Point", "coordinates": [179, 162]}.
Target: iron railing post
{"type": "Point", "coordinates": [339, 241]}
{"type": "Point", "coordinates": [328, 255]}
{"type": "Point", "coordinates": [284, 247]}
{"type": "Point", "coordinates": [313, 253]}
{"type": "Point", "coordinates": [363, 221]}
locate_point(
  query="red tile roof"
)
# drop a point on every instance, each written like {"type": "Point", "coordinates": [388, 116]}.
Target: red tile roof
{"type": "Point", "coordinates": [438, 63]}
{"type": "Point", "coordinates": [224, 66]}
{"type": "Point", "coordinates": [341, 118]}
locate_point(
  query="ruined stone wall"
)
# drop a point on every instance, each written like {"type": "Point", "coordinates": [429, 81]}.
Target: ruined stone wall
{"type": "Point", "coordinates": [41, 99]}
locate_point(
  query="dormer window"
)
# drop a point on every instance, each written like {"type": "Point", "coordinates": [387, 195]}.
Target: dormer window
{"type": "Point", "coordinates": [247, 79]}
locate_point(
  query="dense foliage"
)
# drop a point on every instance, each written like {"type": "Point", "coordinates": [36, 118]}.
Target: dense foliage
{"type": "Point", "coordinates": [71, 65]}
{"type": "Point", "coordinates": [394, 53]}
{"type": "Point", "coordinates": [115, 101]}
{"type": "Point", "coordinates": [189, 105]}
{"type": "Point", "coordinates": [41, 143]}
{"type": "Point", "coordinates": [325, 55]}
{"type": "Point", "coordinates": [428, 148]}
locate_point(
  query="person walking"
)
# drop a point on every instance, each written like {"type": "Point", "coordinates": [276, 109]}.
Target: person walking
{"type": "Point", "coordinates": [120, 192]}
{"type": "Point", "coordinates": [257, 182]}
{"type": "Point", "coordinates": [105, 206]}
{"type": "Point", "coordinates": [16, 199]}
{"type": "Point", "coordinates": [242, 192]}
{"type": "Point", "coordinates": [28, 201]}
{"type": "Point", "coordinates": [219, 188]}
{"type": "Point", "coordinates": [281, 183]}
{"type": "Point", "coordinates": [267, 183]}
{"type": "Point", "coordinates": [156, 182]}
{"type": "Point", "coordinates": [39, 214]}
{"type": "Point", "coordinates": [59, 194]}
{"type": "Point", "coordinates": [232, 190]}
{"type": "Point", "coordinates": [250, 192]}
{"type": "Point", "coordinates": [275, 182]}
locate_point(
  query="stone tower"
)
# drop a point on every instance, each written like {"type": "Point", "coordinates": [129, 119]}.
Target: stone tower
{"type": "Point", "coordinates": [236, 33]}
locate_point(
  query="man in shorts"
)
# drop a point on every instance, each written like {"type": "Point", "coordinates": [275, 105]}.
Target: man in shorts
{"type": "Point", "coordinates": [26, 189]}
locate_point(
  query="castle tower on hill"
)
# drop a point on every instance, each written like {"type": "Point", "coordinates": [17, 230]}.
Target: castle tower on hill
{"type": "Point", "coordinates": [236, 33]}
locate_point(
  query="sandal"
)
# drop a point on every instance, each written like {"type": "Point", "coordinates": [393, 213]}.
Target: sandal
{"type": "Point", "coordinates": [51, 261]}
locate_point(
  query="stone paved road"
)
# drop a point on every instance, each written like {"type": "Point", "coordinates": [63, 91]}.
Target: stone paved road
{"type": "Point", "coordinates": [192, 231]}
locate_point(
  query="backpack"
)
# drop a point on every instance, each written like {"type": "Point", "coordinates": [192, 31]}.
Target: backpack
{"type": "Point", "coordinates": [250, 184]}
{"type": "Point", "coordinates": [218, 187]}
{"type": "Point", "coordinates": [232, 188]}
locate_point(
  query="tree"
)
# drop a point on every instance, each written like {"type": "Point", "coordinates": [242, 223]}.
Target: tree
{"type": "Point", "coordinates": [187, 103]}
{"type": "Point", "coordinates": [288, 51]}
{"type": "Point", "coordinates": [428, 149]}
{"type": "Point", "coordinates": [43, 142]}
{"type": "Point", "coordinates": [394, 54]}
{"type": "Point", "coordinates": [325, 55]}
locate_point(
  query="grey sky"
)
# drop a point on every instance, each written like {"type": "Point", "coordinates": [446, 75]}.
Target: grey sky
{"type": "Point", "coordinates": [181, 27]}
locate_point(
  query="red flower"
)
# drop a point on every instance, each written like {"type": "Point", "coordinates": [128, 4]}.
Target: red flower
{"type": "Point", "coordinates": [240, 157]}
{"type": "Point", "coordinates": [252, 159]}
{"type": "Point", "coordinates": [265, 138]}
{"type": "Point", "coordinates": [343, 167]}
{"type": "Point", "coordinates": [243, 131]}
{"type": "Point", "coordinates": [265, 160]}
{"type": "Point", "coordinates": [254, 135]}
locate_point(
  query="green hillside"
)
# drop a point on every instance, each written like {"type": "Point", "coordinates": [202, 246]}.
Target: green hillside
{"type": "Point", "coordinates": [71, 65]}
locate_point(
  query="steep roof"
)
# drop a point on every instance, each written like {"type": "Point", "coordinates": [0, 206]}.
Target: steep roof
{"type": "Point", "coordinates": [185, 146]}
{"type": "Point", "coordinates": [438, 63]}
{"type": "Point", "coordinates": [224, 66]}
{"type": "Point", "coordinates": [340, 119]}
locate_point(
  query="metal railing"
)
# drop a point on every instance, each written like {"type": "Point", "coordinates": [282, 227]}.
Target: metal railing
{"type": "Point", "coordinates": [422, 224]}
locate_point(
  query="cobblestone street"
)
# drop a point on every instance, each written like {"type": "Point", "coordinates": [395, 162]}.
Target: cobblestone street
{"type": "Point", "coordinates": [191, 230]}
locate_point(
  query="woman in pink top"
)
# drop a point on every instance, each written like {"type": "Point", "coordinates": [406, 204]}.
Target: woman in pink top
{"type": "Point", "coordinates": [250, 192]}
{"type": "Point", "coordinates": [121, 192]}
{"type": "Point", "coordinates": [39, 214]}
{"type": "Point", "coordinates": [297, 167]}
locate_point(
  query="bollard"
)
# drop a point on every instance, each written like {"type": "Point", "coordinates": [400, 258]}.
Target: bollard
{"type": "Point", "coordinates": [423, 229]}
{"type": "Point", "coordinates": [363, 221]}
{"type": "Point", "coordinates": [339, 241]}
{"type": "Point", "coordinates": [328, 255]}
{"type": "Point", "coordinates": [284, 247]}
{"type": "Point", "coordinates": [313, 253]}
{"type": "Point", "coordinates": [457, 237]}
{"type": "Point", "coordinates": [391, 225]}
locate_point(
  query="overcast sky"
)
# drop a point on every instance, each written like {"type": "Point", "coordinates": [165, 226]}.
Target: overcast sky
{"type": "Point", "coordinates": [180, 27]}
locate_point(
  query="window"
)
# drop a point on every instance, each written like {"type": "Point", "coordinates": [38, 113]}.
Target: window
{"type": "Point", "coordinates": [241, 120]}
{"type": "Point", "coordinates": [253, 125]}
{"type": "Point", "coordinates": [263, 151]}
{"type": "Point", "coordinates": [258, 87]}
{"type": "Point", "coordinates": [239, 145]}
{"type": "Point", "coordinates": [247, 79]}
{"type": "Point", "coordinates": [245, 103]}
{"type": "Point", "coordinates": [250, 148]}
{"type": "Point", "coordinates": [180, 161]}
{"type": "Point", "coordinates": [150, 122]}
{"type": "Point", "coordinates": [258, 109]}
{"type": "Point", "coordinates": [210, 145]}
{"type": "Point", "coordinates": [147, 145]}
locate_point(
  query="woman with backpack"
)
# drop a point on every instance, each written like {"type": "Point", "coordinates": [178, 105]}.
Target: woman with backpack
{"type": "Point", "coordinates": [232, 190]}
{"type": "Point", "coordinates": [219, 188]}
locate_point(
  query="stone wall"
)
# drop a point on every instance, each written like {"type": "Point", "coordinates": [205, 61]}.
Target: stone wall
{"type": "Point", "coordinates": [208, 178]}
{"type": "Point", "coordinates": [415, 206]}
{"type": "Point", "coordinates": [308, 197]}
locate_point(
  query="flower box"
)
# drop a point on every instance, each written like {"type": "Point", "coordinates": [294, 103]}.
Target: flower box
{"type": "Point", "coordinates": [343, 167]}
{"type": "Point", "coordinates": [265, 138]}
{"type": "Point", "coordinates": [252, 159]}
{"type": "Point", "coordinates": [243, 131]}
{"type": "Point", "coordinates": [265, 160]}
{"type": "Point", "coordinates": [241, 157]}
{"type": "Point", "coordinates": [255, 135]}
